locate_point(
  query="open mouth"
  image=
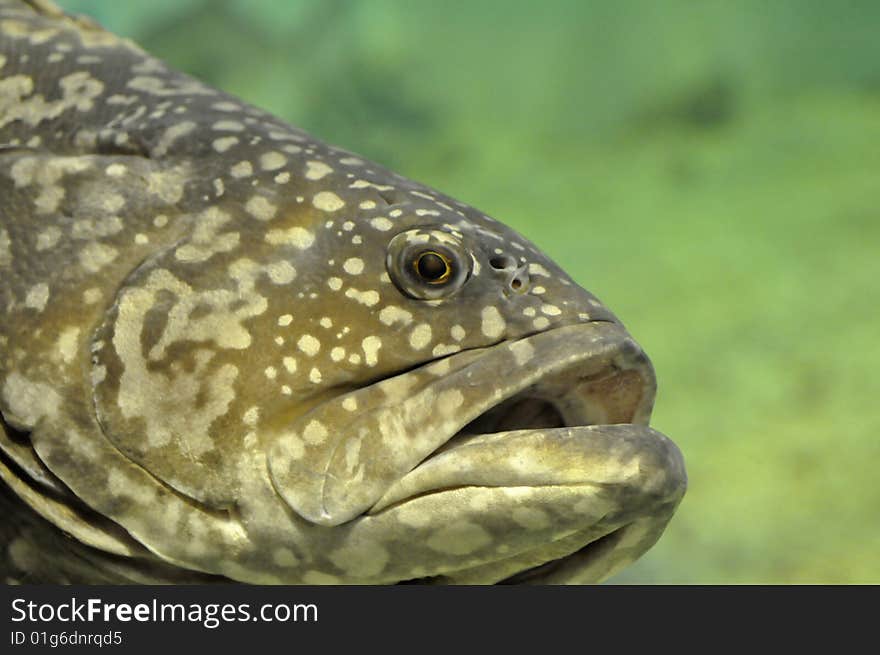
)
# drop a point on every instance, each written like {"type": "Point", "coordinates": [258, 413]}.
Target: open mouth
{"type": "Point", "coordinates": [552, 425]}
{"type": "Point", "coordinates": [596, 408]}
{"type": "Point", "coordinates": [609, 382]}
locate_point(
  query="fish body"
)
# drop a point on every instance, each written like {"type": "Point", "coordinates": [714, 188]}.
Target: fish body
{"type": "Point", "coordinates": [229, 351]}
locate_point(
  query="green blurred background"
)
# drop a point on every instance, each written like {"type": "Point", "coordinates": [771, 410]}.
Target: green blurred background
{"type": "Point", "coordinates": [709, 169]}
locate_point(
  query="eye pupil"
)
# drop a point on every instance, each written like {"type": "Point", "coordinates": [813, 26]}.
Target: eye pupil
{"type": "Point", "coordinates": [433, 267]}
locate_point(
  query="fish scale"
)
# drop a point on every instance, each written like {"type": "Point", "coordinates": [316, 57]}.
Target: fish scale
{"type": "Point", "coordinates": [223, 342]}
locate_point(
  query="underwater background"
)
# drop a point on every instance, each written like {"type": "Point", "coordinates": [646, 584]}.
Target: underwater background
{"type": "Point", "coordinates": [709, 169]}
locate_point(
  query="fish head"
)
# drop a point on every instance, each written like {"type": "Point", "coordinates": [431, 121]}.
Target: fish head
{"type": "Point", "coordinates": [402, 377]}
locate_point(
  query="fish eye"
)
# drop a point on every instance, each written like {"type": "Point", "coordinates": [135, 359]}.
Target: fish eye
{"type": "Point", "coordinates": [428, 264]}
{"type": "Point", "coordinates": [433, 267]}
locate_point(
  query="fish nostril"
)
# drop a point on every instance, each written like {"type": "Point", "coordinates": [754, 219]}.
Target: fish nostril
{"type": "Point", "coordinates": [502, 262]}
{"type": "Point", "coordinates": [519, 281]}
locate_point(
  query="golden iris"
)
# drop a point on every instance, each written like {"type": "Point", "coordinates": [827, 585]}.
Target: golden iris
{"type": "Point", "coordinates": [433, 267]}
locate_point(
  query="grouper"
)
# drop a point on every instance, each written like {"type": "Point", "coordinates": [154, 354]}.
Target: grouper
{"type": "Point", "coordinates": [232, 352]}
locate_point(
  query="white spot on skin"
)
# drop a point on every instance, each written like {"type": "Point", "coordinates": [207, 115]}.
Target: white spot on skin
{"type": "Point", "coordinates": [309, 345]}
{"type": "Point", "coordinates": [115, 170]}
{"type": "Point", "coordinates": [260, 208]}
{"type": "Point", "coordinates": [326, 322]}
{"type": "Point", "coordinates": [96, 256]}
{"type": "Point", "coordinates": [439, 368]}
{"type": "Point", "coordinates": [226, 106]}
{"type": "Point", "coordinates": [281, 272]}
{"type": "Point", "coordinates": [442, 349]}
{"type": "Point", "coordinates": [271, 372]}
{"type": "Point", "coordinates": [420, 336]}
{"type": "Point", "coordinates": [294, 236]}
{"type": "Point", "coordinates": [367, 204]}
{"type": "Point", "coordinates": [334, 283]}
{"type": "Point", "coordinates": [337, 354]}
{"type": "Point", "coordinates": [37, 297]}
{"type": "Point", "coordinates": [449, 401]}
{"type": "Point", "coordinates": [289, 364]}
{"type": "Point", "coordinates": [241, 169]}
{"type": "Point", "coordinates": [67, 344]}
{"type": "Point", "coordinates": [171, 135]}
{"type": "Point", "coordinates": [327, 201]}
{"type": "Point", "coordinates": [381, 223]}
{"type": "Point", "coordinates": [460, 538]}
{"type": "Point", "coordinates": [350, 404]}
{"type": "Point", "coordinates": [160, 221]}
{"type": "Point", "coordinates": [272, 160]}
{"type": "Point", "coordinates": [315, 376]}
{"type": "Point", "coordinates": [523, 351]}
{"type": "Point", "coordinates": [112, 203]}
{"type": "Point", "coordinates": [227, 126]}
{"type": "Point", "coordinates": [360, 560]}
{"type": "Point", "coordinates": [315, 433]}
{"type": "Point", "coordinates": [315, 170]}
{"type": "Point", "coordinates": [285, 320]}
{"type": "Point", "coordinates": [29, 401]}
{"type": "Point", "coordinates": [284, 557]}
{"type": "Point", "coordinates": [530, 518]}
{"type": "Point", "coordinates": [48, 200]}
{"type": "Point", "coordinates": [368, 298]}
{"type": "Point", "coordinates": [353, 266]}
{"type": "Point", "coordinates": [47, 239]}
{"type": "Point", "coordinates": [91, 296]}
{"type": "Point", "coordinates": [493, 324]}
{"type": "Point", "coordinates": [393, 314]}
{"type": "Point", "coordinates": [457, 332]}
{"type": "Point", "coordinates": [251, 416]}
{"type": "Point", "coordinates": [551, 310]}
{"type": "Point", "coordinates": [293, 446]}
{"type": "Point", "coordinates": [540, 323]}
{"type": "Point", "coordinates": [371, 346]}
{"type": "Point", "coordinates": [224, 143]}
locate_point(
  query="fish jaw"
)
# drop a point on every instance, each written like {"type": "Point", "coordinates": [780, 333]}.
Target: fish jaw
{"type": "Point", "coordinates": [552, 426]}
{"type": "Point", "coordinates": [572, 505]}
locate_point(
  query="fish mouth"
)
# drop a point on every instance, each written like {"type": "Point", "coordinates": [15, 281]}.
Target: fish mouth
{"type": "Point", "coordinates": [536, 450]}
{"type": "Point", "coordinates": [582, 425]}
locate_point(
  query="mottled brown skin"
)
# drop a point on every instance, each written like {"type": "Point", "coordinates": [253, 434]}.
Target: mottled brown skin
{"type": "Point", "coordinates": [230, 351]}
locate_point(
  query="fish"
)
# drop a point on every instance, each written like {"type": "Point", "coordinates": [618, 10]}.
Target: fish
{"type": "Point", "coordinates": [231, 352]}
